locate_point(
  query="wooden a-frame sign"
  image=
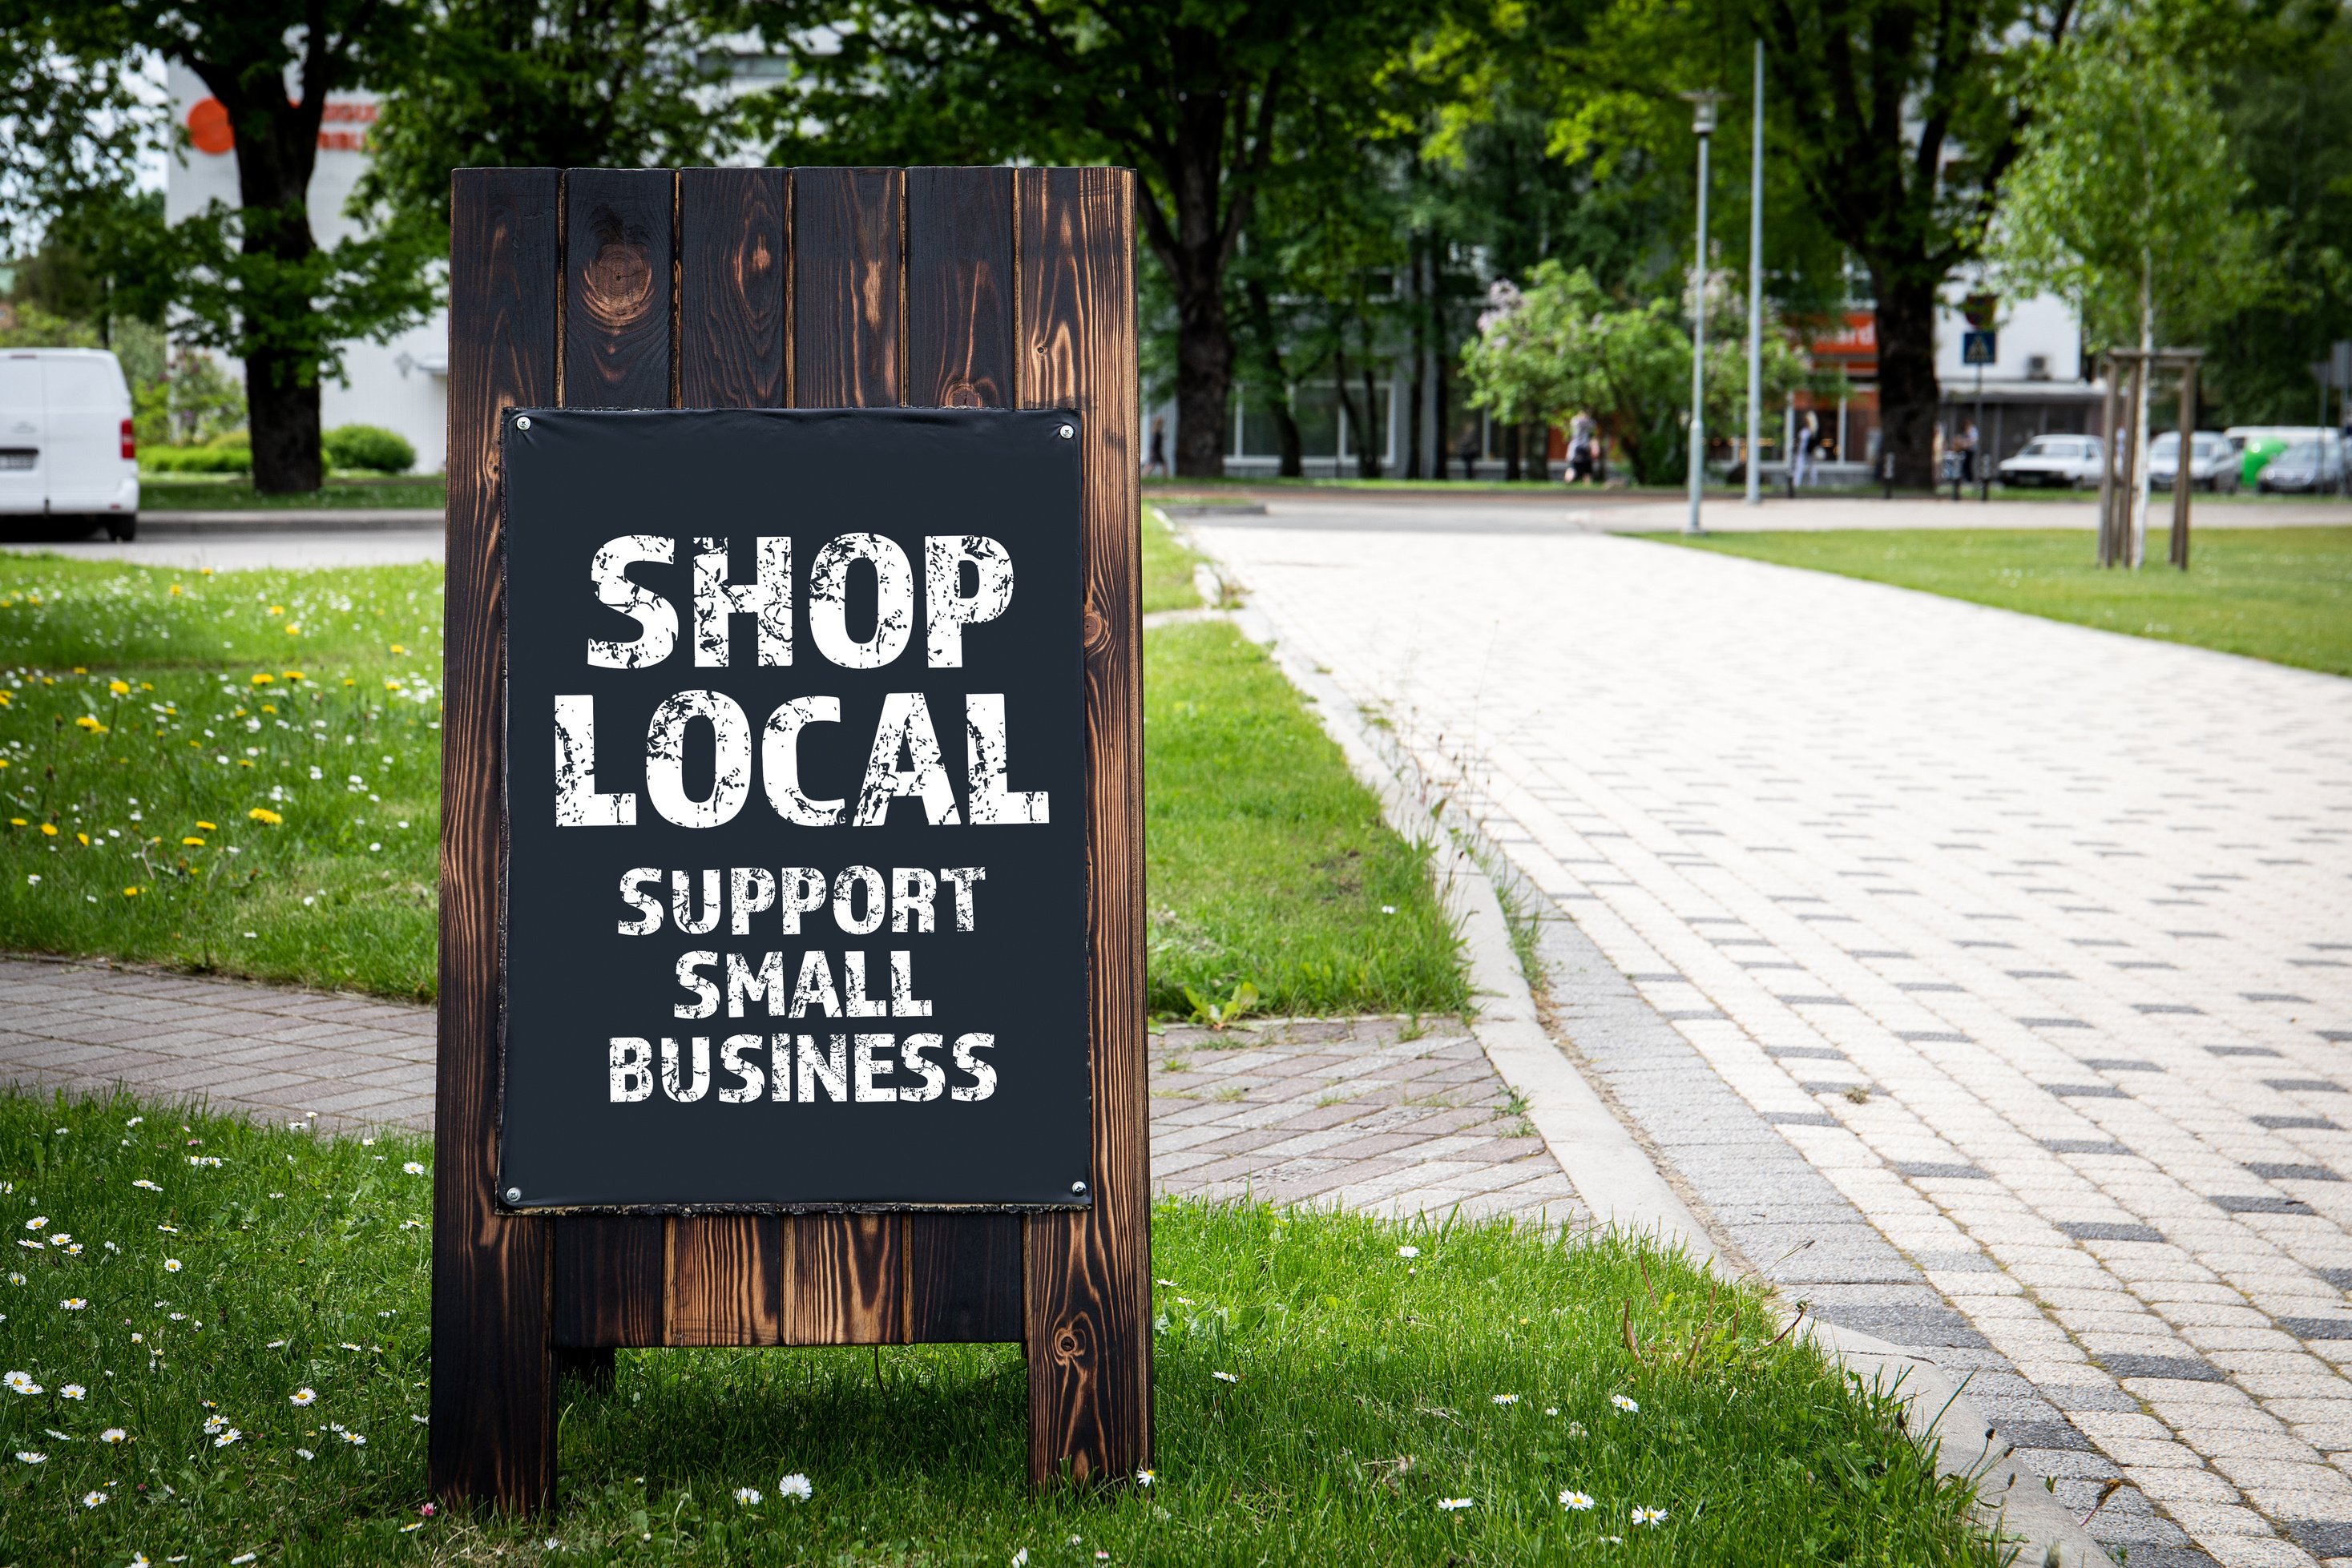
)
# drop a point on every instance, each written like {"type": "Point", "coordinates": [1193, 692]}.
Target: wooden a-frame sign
{"type": "Point", "coordinates": [580, 293]}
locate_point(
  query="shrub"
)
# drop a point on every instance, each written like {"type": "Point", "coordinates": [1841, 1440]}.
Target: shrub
{"type": "Point", "coordinates": [368, 446]}
{"type": "Point", "coordinates": [229, 454]}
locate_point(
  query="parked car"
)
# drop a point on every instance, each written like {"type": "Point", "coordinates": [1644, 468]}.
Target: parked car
{"type": "Point", "coordinates": [2312, 467]}
{"type": "Point", "coordinates": [2258, 443]}
{"type": "Point", "coordinates": [66, 448]}
{"type": "Point", "coordinates": [2213, 461]}
{"type": "Point", "coordinates": [2065, 460]}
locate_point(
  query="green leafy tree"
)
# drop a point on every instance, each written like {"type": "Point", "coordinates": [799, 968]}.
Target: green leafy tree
{"type": "Point", "coordinates": [2286, 98]}
{"type": "Point", "coordinates": [1899, 119]}
{"type": "Point", "coordinates": [251, 280]}
{"type": "Point", "coordinates": [73, 115]}
{"type": "Point", "coordinates": [1565, 346]}
{"type": "Point", "coordinates": [1195, 94]}
{"type": "Point", "coordinates": [544, 84]}
{"type": "Point", "coordinates": [2125, 202]}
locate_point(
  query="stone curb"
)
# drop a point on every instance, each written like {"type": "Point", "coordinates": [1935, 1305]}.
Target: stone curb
{"type": "Point", "coordinates": [1617, 1181]}
{"type": "Point", "coordinates": [350, 519]}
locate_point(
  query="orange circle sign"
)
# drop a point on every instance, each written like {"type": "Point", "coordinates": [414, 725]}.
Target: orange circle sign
{"type": "Point", "coordinates": [208, 126]}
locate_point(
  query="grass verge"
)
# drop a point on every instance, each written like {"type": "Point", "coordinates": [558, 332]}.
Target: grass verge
{"type": "Point", "coordinates": [1167, 564]}
{"type": "Point", "coordinates": [1269, 865]}
{"type": "Point", "coordinates": [2280, 594]}
{"type": "Point", "coordinates": [261, 796]}
{"type": "Point", "coordinates": [246, 1373]}
{"type": "Point", "coordinates": [188, 493]}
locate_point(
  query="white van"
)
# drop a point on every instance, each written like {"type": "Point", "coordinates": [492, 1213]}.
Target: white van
{"type": "Point", "coordinates": [66, 447]}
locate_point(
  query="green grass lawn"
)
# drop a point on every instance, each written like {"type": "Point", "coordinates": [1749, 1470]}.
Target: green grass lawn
{"type": "Point", "coordinates": [234, 1357]}
{"type": "Point", "coordinates": [261, 794]}
{"type": "Point", "coordinates": [2282, 594]}
{"type": "Point", "coordinates": [1168, 566]}
{"type": "Point", "coordinates": [209, 492]}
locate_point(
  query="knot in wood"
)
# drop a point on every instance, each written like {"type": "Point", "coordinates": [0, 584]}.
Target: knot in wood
{"type": "Point", "coordinates": [617, 284]}
{"type": "Point", "coordinates": [1098, 630]}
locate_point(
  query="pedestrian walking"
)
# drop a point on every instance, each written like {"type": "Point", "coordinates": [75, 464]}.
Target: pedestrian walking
{"type": "Point", "coordinates": [1583, 449]}
{"type": "Point", "coordinates": [1800, 461]}
{"type": "Point", "coordinates": [1156, 464]}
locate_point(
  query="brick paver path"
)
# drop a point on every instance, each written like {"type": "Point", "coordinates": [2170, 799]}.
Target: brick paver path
{"type": "Point", "coordinates": [1342, 1112]}
{"type": "Point", "coordinates": [1348, 1113]}
{"type": "Point", "coordinates": [252, 1049]}
{"type": "Point", "coordinates": [2035, 941]}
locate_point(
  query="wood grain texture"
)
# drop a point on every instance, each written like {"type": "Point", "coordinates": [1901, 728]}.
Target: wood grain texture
{"type": "Point", "coordinates": [963, 1270]}
{"type": "Point", "coordinates": [617, 352]}
{"type": "Point", "coordinates": [722, 1278]}
{"type": "Point", "coordinates": [844, 1277]}
{"type": "Point", "coordinates": [609, 1270]}
{"type": "Point", "coordinates": [721, 1284]}
{"type": "Point", "coordinates": [617, 278]}
{"type": "Point", "coordinates": [730, 298]}
{"type": "Point", "coordinates": [1089, 1272]}
{"type": "Point", "coordinates": [959, 288]}
{"type": "Point", "coordinates": [492, 1435]}
{"type": "Point", "coordinates": [847, 253]}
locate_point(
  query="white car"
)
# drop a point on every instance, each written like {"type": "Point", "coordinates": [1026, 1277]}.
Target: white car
{"type": "Point", "coordinates": [66, 448]}
{"type": "Point", "coordinates": [2213, 462]}
{"type": "Point", "coordinates": [2066, 461]}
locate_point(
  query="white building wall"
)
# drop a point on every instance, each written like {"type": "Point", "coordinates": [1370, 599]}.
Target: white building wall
{"type": "Point", "coordinates": [402, 385]}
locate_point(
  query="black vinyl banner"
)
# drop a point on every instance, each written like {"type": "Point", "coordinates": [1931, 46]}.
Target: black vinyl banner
{"type": "Point", "coordinates": [795, 801]}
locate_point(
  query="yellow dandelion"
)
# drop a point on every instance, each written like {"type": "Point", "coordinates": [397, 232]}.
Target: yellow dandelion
{"type": "Point", "coordinates": [264, 814]}
{"type": "Point", "coordinates": [245, 762]}
{"type": "Point", "coordinates": [208, 827]}
{"type": "Point", "coordinates": [81, 669]}
{"type": "Point", "coordinates": [84, 838]}
{"type": "Point", "coordinates": [276, 609]}
{"type": "Point", "coordinates": [269, 707]}
{"type": "Point", "coordinates": [17, 822]}
{"type": "Point", "coordinates": [176, 591]}
{"type": "Point", "coordinates": [194, 841]}
{"type": "Point", "coordinates": [146, 685]}
{"type": "Point", "coordinates": [129, 893]}
{"type": "Point", "coordinates": [292, 630]}
{"type": "Point", "coordinates": [89, 722]}
{"type": "Point", "coordinates": [7, 701]}
{"type": "Point", "coordinates": [204, 571]}
{"type": "Point", "coordinates": [398, 649]}
{"type": "Point", "coordinates": [263, 677]}
{"type": "Point", "coordinates": [391, 686]}
{"type": "Point", "coordinates": [4, 762]}
{"type": "Point", "coordinates": [120, 689]}
{"type": "Point", "coordinates": [294, 675]}
{"type": "Point", "coordinates": [48, 830]}
{"type": "Point", "coordinates": [350, 681]}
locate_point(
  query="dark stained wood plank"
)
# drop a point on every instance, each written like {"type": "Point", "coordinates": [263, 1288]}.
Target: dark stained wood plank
{"type": "Point", "coordinates": [720, 1279]}
{"type": "Point", "coordinates": [608, 1281]}
{"type": "Point", "coordinates": [846, 265]}
{"type": "Point", "coordinates": [721, 1287]}
{"type": "Point", "coordinates": [844, 1274]}
{"type": "Point", "coordinates": [1089, 1272]}
{"type": "Point", "coordinates": [960, 283]}
{"type": "Point", "coordinates": [963, 1270]}
{"type": "Point", "coordinates": [492, 1437]}
{"type": "Point", "coordinates": [964, 1277]}
{"type": "Point", "coordinates": [617, 353]}
{"type": "Point", "coordinates": [616, 282]}
{"type": "Point", "coordinates": [730, 349]}
{"type": "Point", "coordinates": [845, 1279]}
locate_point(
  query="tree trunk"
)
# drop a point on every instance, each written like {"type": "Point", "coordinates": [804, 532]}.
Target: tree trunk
{"type": "Point", "coordinates": [282, 409]}
{"type": "Point", "coordinates": [1907, 375]}
{"type": "Point", "coordinates": [1369, 450]}
{"type": "Point", "coordinates": [2140, 391]}
{"type": "Point", "coordinates": [1291, 456]}
{"type": "Point", "coordinates": [1510, 453]}
{"type": "Point", "coordinates": [1204, 378]}
{"type": "Point", "coordinates": [276, 148]}
{"type": "Point", "coordinates": [1420, 385]}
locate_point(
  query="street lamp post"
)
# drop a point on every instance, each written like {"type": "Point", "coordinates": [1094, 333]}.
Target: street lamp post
{"type": "Point", "coordinates": [1702, 122]}
{"type": "Point", "coordinates": [1756, 290]}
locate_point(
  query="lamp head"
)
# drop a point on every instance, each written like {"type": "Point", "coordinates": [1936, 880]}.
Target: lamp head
{"type": "Point", "coordinates": [1702, 110]}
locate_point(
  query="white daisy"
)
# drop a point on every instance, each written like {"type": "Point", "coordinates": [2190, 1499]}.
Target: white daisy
{"type": "Point", "coordinates": [1579, 1500]}
{"type": "Point", "coordinates": [171, 1265]}
{"type": "Point", "coordinates": [796, 1487]}
{"type": "Point", "coordinates": [413, 1167]}
{"type": "Point", "coordinates": [1649, 1516]}
{"type": "Point", "coordinates": [1623, 1402]}
{"type": "Point", "coordinates": [92, 1499]}
{"type": "Point", "coordinates": [1507, 1399]}
{"type": "Point", "coordinates": [1225, 1377]}
{"type": "Point", "coordinates": [113, 1435]}
{"type": "Point", "coordinates": [21, 1383]}
{"type": "Point", "coordinates": [74, 1304]}
{"type": "Point", "coordinates": [73, 1391]}
{"type": "Point", "coordinates": [225, 1438]}
{"type": "Point", "coordinates": [31, 1457]}
{"type": "Point", "coordinates": [1454, 1504]}
{"type": "Point", "coordinates": [748, 1496]}
{"type": "Point", "coordinates": [150, 1186]}
{"type": "Point", "coordinates": [303, 1396]}
{"type": "Point", "coordinates": [1408, 1251]}
{"type": "Point", "coordinates": [306, 1453]}
{"type": "Point", "coordinates": [1145, 1477]}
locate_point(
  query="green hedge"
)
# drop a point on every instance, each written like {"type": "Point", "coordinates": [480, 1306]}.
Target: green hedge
{"type": "Point", "coordinates": [368, 446]}
{"type": "Point", "coordinates": [229, 454]}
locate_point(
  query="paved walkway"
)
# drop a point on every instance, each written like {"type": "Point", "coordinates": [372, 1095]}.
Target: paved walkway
{"type": "Point", "coordinates": [2034, 942]}
{"type": "Point", "coordinates": [1349, 1112]}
